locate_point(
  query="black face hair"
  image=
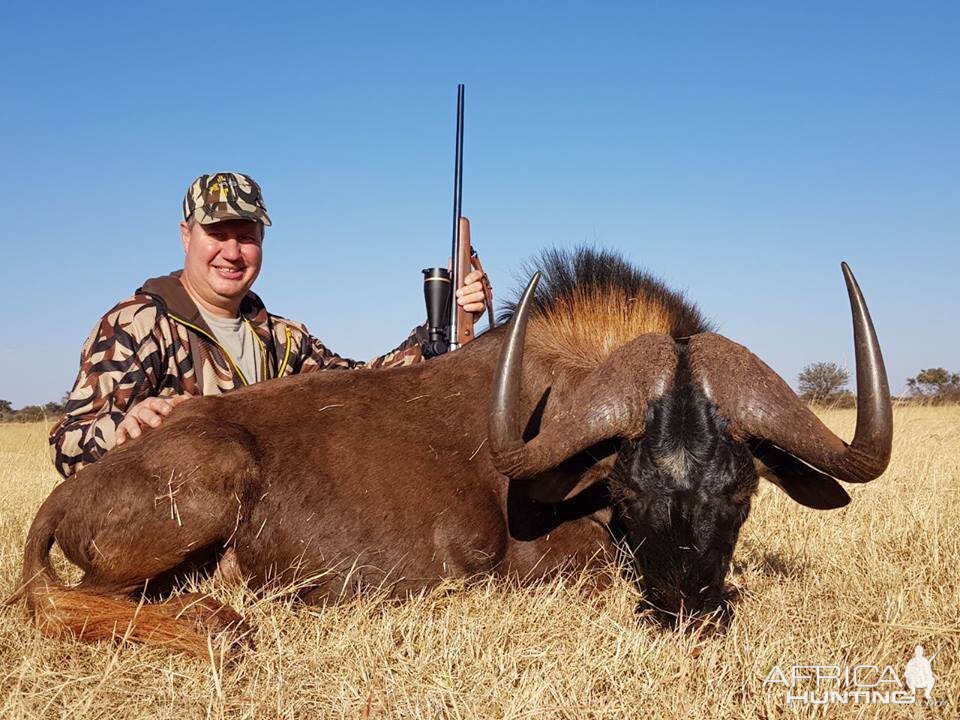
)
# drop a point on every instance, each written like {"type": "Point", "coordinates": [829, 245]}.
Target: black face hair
{"type": "Point", "coordinates": [682, 492]}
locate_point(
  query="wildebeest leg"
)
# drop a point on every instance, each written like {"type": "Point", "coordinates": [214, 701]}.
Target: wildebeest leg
{"type": "Point", "coordinates": [164, 507]}
{"type": "Point", "coordinates": [529, 519]}
{"type": "Point", "coordinates": [547, 538]}
{"type": "Point", "coordinates": [197, 565]}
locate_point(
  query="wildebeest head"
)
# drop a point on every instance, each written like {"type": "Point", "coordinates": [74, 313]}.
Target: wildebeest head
{"type": "Point", "coordinates": [695, 416]}
{"type": "Point", "coordinates": [683, 490]}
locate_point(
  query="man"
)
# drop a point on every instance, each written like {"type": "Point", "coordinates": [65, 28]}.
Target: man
{"type": "Point", "coordinates": [199, 331]}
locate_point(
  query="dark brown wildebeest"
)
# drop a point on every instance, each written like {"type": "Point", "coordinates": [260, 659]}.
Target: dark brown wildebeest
{"type": "Point", "coordinates": [614, 414]}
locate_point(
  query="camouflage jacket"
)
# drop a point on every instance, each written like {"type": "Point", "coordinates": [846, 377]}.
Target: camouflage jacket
{"type": "Point", "coordinates": [157, 344]}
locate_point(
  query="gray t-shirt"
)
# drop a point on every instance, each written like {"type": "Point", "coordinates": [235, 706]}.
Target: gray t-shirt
{"type": "Point", "coordinates": [238, 339]}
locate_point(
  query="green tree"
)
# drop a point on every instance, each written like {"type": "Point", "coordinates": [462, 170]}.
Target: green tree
{"type": "Point", "coordinates": [6, 410]}
{"type": "Point", "coordinates": [935, 383]}
{"type": "Point", "coordinates": [822, 382]}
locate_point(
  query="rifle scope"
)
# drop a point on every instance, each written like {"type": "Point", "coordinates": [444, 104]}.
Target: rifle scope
{"type": "Point", "coordinates": [436, 293]}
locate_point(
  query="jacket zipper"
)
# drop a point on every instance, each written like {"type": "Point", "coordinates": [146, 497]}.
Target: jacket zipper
{"type": "Point", "coordinates": [222, 349]}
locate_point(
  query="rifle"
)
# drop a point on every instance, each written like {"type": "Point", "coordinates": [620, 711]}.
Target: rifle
{"type": "Point", "coordinates": [451, 326]}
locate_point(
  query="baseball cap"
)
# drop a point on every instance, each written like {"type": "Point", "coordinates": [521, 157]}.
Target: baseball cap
{"type": "Point", "coordinates": [224, 196]}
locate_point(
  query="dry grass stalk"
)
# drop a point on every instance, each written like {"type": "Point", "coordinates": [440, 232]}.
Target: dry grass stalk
{"type": "Point", "coordinates": [860, 585]}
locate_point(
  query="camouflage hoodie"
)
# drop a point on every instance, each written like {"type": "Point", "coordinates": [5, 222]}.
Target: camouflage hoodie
{"type": "Point", "coordinates": [157, 344]}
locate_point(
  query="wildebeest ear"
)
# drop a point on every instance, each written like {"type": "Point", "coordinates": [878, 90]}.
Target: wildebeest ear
{"type": "Point", "coordinates": [803, 483]}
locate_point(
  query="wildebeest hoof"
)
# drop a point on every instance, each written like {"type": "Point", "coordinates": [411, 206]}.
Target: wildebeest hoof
{"type": "Point", "coordinates": [228, 569]}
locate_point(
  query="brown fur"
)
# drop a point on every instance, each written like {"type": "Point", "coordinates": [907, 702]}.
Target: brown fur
{"type": "Point", "coordinates": [341, 481]}
{"type": "Point", "coordinates": [590, 303]}
{"type": "Point", "coordinates": [581, 330]}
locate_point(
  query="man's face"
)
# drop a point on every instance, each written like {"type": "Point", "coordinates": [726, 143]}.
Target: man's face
{"type": "Point", "coordinates": [222, 261]}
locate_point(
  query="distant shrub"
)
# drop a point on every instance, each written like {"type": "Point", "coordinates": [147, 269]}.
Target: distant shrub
{"type": "Point", "coordinates": [824, 383]}
{"type": "Point", "coordinates": [30, 413]}
{"type": "Point", "coordinates": [935, 385]}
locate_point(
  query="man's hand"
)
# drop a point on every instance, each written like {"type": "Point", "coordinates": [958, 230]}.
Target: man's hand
{"type": "Point", "coordinates": [149, 412]}
{"type": "Point", "coordinates": [471, 296]}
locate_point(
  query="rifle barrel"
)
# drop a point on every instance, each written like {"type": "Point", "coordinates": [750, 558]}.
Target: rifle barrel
{"type": "Point", "coordinates": [457, 213]}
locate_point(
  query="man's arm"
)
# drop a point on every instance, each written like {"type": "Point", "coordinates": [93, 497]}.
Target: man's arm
{"type": "Point", "coordinates": [121, 364]}
{"type": "Point", "coordinates": [317, 356]}
{"type": "Point", "coordinates": [406, 353]}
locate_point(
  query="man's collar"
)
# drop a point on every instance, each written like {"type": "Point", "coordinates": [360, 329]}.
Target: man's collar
{"type": "Point", "coordinates": [178, 301]}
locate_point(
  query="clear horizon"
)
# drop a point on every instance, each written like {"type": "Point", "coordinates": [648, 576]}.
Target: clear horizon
{"type": "Point", "coordinates": [738, 153]}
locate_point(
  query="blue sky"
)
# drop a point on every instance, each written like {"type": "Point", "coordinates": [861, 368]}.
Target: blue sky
{"type": "Point", "coordinates": [739, 150]}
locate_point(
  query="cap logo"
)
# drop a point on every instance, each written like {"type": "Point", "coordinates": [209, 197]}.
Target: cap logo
{"type": "Point", "coordinates": [218, 190]}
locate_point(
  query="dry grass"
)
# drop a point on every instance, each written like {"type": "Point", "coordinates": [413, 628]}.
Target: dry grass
{"type": "Point", "coordinates": [858, 586]}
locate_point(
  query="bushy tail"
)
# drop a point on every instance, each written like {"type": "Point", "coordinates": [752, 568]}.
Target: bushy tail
{"type": "Point", "coordinates": [59, 610]}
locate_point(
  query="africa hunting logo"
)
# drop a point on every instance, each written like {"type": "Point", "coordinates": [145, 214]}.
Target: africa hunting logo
{"type": "Point", "coordinates": [857, 684]}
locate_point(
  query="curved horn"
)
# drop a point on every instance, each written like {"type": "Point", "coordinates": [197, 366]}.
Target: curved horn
{"type": "Point", "coordinates": [506, 440]}
{"type": "Point", "coordinates": [869, 453]}
{"type": "Point", "coordinates": [759, 405]}
{"type": "Point", "coordinates": [611, 401]}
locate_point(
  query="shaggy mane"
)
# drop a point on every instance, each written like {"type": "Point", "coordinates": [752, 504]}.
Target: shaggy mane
{"type": "Point", "coordinates": [590, 302]}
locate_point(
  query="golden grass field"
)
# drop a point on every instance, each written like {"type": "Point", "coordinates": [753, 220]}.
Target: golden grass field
{"type": "Point", "coordinates": [858, 586]}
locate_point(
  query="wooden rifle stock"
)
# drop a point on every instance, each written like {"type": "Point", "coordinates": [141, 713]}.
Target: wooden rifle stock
{"type": "Point", "coordinates": [470, 261]}
{"type": "Point", "coordinates": [464, 319]}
